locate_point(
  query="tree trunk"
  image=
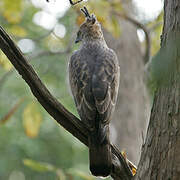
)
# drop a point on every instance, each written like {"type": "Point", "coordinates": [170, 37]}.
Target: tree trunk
{"type": "Point", "coordinates": [130, 117]}
{"type": "Point", "coordinates": [160, 159]}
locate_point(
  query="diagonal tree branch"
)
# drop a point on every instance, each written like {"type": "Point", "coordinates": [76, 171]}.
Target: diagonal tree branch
{"type": "Point", "coordinates": [121, 170]}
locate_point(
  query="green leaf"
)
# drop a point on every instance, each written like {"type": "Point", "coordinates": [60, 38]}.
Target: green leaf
{"type": "Point", "coordinates": [38, 166]}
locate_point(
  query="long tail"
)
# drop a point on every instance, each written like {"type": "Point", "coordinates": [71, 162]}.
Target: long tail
{"type": "Point", "coordinates": [100, 152]}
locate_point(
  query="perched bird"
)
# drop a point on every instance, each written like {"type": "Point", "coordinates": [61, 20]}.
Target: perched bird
{"type": "Point", "coordinates": [94, 81]}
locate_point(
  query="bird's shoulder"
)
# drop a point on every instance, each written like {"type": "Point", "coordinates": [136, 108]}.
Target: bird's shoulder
{"type": "Point", "coordinates": [107, 61]}
{"type": "Point", "coordinates": [76, 62]}
{"type": "Point", "coordinates": [78, 70]}
{"type": "Point", "coordinates": [75, 56]}
{"type": "Point", "coordinates": [109, 55]}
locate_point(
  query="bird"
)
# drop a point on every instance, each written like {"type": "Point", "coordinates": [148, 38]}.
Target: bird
{"type": "Point", "coordinates": [94, 75]}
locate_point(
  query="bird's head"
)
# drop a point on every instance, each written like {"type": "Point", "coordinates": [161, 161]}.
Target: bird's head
{"type": "Point", "coordinates": [90, 29]}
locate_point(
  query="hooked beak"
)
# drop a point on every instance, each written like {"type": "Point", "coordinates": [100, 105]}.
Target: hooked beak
{"type": "Point", "coordinates": [77, 40]}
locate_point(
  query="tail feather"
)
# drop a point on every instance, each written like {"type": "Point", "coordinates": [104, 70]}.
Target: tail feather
{"type": "Point", "coordinates": [100, 153]}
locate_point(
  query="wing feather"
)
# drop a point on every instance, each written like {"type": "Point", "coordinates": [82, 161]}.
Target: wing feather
{"type": "Point", "coordinates": [94, 83]}
{"type": "Point", "coordinates": [79, 77]}
{"type": "Point", "coordinates": [105, 83]}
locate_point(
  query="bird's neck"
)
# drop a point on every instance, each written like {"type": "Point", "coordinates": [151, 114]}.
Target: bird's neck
{"type": "Point", "coordinates": [91, 43]}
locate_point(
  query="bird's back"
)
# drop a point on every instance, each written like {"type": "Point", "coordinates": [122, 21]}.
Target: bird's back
{"type": "Point", "coordinates": [93, 71]}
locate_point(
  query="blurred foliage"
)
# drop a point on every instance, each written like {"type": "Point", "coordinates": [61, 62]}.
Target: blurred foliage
{"type": "Point", "coordinates": [4, 62]}
{"type": "Point", "coordinates": [32, 119]}
{"type": "Point", "coordinates": [32, 145]}
{"type": "Point", "coordinates": [12, 10]}
{"type": "Point", "coordinates": [11, 112]}
{"type": "Point", "coordinates": [103, 10]}
{"type": "Point", "coordinates": [164, 67]}
{"type": "Point", "coordinates": [157, 61]}
{"type": "Point", "coordinates": [155, 28]}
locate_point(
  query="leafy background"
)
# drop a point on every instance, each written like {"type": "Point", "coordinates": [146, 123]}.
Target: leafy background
{"type": "Point", "coordinates": [32, 145]}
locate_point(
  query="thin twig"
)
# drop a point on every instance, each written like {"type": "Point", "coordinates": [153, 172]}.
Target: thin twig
{"type": "Point", "coordinates": [85, 11]}
{"type": "Point", "coordinates": [71, 2]}
{"type": "Point", "coordinates": [74, 3]}
{"type": "Point", "coordinates": [141, 26]}
{"type": "Point", "coordinates": [4, 119]}
{"type": "Point", "coordinates": [121, 170]}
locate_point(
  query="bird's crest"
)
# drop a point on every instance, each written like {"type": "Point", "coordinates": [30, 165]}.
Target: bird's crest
{"type": "Point", "coordinates": [90, 29]}
{"type": "Point", "coordinates": [89, 18]}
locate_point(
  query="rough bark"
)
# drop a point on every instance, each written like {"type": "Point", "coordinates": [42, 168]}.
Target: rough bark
{"type": "Point", "coordinates": [160, 158]}
{"type": "Point", "coordinates": [130, 117]}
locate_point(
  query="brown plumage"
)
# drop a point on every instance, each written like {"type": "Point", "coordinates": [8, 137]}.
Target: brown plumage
{"type": "Point", "coordinates": [94, 80]}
